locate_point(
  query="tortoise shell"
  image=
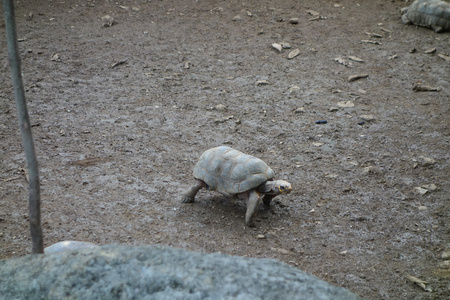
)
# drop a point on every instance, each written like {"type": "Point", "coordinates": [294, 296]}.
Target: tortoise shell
{"type": "Point", "coordinates": [230, 171]}
{"type": "Point", "coordinates": [434, 14]}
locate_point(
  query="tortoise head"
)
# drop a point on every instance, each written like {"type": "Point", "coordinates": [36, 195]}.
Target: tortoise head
{"type": "Point", "coordinates": [282, 187]}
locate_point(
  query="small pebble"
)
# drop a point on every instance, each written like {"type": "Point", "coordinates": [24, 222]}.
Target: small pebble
{"type": "Point", "coordinates": [293, 53]}
{"type": "Point", "coordinates": [445, 255]}
{"type": "Point", "coordinates": [321, 122]}
{"type": "Point", "coordinates": [260, 236]}
{"type": "Point", "coordinates": [345, 104]}
{"type": "Point", "coordinates": [420, 190]}
{"type": "Point", "coordinates": [293, 21]}
{"type": "Point", "coordinates": [425, 161]}
{"type": "Point", "coordinates": [277, 46]}
{"type": "Point", "coordinates": [220, 107]}
{"type": "Point", "coordinates": [430, 187]}
{"type": "Point", "coordinates": [445, 265]}
{"type": "Point", "coordinates": [262, 82]}
{"type": "Point", "coordinates": [108, 21]}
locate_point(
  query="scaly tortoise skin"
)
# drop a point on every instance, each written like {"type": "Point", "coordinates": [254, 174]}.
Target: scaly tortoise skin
{"type": "Point", "coordinates": [234, 173]}
{"type": "Point", "coordinates": [434, 14]}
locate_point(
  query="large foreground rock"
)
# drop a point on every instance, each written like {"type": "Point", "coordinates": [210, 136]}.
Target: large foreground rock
{"type": "Point", "coordinates": [153, 272]}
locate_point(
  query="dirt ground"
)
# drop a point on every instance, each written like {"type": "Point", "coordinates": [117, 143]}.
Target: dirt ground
{"type": "Point", "coordinates": [120, 115]}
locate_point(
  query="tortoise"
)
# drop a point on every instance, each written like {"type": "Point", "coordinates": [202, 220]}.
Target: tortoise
{"type": "Point", "coordinates": [234, 173]}
{"type": "Point", "coordinates": [68, 246]}
{"type": "Point", "coordinates": [434, 14]}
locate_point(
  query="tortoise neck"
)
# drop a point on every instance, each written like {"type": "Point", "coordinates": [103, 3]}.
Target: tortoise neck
{"type": "Point", "coordinates": [267, 187]}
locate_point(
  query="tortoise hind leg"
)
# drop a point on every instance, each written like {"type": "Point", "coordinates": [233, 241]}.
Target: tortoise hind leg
{"type": "Point", "coordinates": [254, 201]}
{"type": "Point", "coordinates": [189, 196]}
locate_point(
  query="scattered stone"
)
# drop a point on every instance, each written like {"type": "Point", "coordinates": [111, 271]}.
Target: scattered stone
{"type": "Point", "coordinates": [293, 53]}
{"type": "Point", "coordinates": [313, 13]}
{"type": "Point", "coordinates": [356, 77]}
{"type": "Point", "coordinates": [420, 190]}
{"type": "Point", "coordinates": [294, 88]}
{"type": "Point", "coordinates": [321, 122]}
{"type": "Point", "coordinates": [343, 61]}
{"type": "Point", "coordinates": [317, 144]}
{"type": "Point", "coordinates": [445, 255]}
{"type": "Point", "coordinates": [260, 236]}
{"type": "Point", "coordinates": [343, 252]}
{"type": "Point", "coordinates": [55, 57]}
{"type": "Point", "coordinates": [430, 51]}
{"type": "Point", "coordinates": [444, 265]}
{"type": "Point", "coordinates": [262, 82]}
{"type": "Point", "coordinates": [108, 21]}
{"type": "Point", "coordinates": [418, 87]}
{"type": "Point", "coordinates": [293, 21]}
{"type": "Point", "coordinates": [299, 110]}
{"type": "Point", "coordinates": [430, 187]}
{"type": "Point", "coordinates": [333, 109]}
{"type": "Point", "coordinates": [367, 118]}
{"type": "Point", "coordinates": [371, 170]}
{"type": "Point", "coordinates": [68, 246]}
{"type": "Point", "coordinates": [332, 176]}
{"type": "Point", "coordinates": [220, 107]}
{"type": "Point", "coordinates": [425, 161]}
{"type": "Point", "coordinates": [277, 46]}
{"type": "Point", "coordinates": [286, 45]}
{"type": "Point", "coordinates": [237, 18]}
{"type": "Point", "coordinates": [346, 104]}
{"type": "Point", "coordinates": [423, 208]}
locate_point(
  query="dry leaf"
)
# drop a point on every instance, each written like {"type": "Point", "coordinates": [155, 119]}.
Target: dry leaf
{"type": "Point", "coordinates": [356, 77]}
{"type": "Point", "coordinates": [293, 53]}
{"type": "Point", "coordinates": [419, 282]}
{"type": "Point", "coordinates": [277, 46]}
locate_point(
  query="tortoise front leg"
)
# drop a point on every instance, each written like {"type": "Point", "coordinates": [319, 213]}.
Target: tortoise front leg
{"type": "Point", "coordinates": [267, 199]}
{"type": "Point", "coordinates": [254, 201]}
{"type": "Point", "coordinates": [189, 196]}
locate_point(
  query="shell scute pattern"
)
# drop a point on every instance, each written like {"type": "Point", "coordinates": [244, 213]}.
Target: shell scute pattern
{"type": "Point", "coordinates": [434, 14]}
{"type": "Point", "coordinates": [227, 170]}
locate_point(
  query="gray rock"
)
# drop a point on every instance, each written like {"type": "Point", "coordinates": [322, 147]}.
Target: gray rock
{"type": "Point", "coordinates": [154, 272]}
{"type": "Point", "coordinates": [67, 246]}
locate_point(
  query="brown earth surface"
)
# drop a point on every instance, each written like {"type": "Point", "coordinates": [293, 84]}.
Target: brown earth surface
{"type": "Point", "coordinates": [120, 115]}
